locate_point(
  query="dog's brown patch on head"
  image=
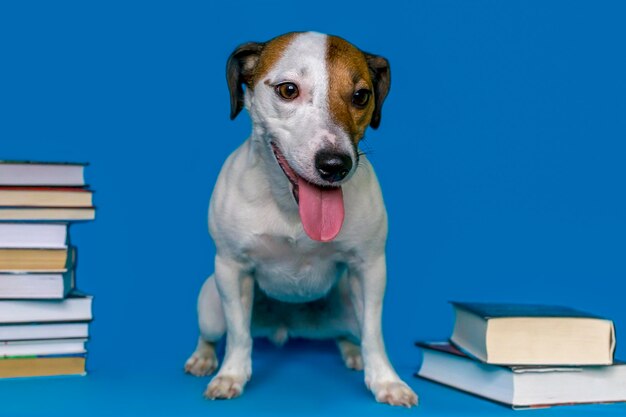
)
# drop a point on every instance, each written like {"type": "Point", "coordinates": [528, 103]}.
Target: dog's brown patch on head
{"type": "Point", "coordinates": [348, 72]}
{"type": "Point", "coordinates": [272, 52]}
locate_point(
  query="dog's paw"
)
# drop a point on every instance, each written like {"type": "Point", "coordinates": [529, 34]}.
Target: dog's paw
{"type": "Point", "coordinates": [224, 387]}
{"type": "Point", "coordinates": [203, 361]}
{"type": "Point", "coordinates": [354, 362]}
{"type": "Point", "coordinates": [351, 355]}
{"type": "Point", "coordinates": [352, 358]}
{"type": "Point", "coordinates": [394, 393]}
{"type": "Point", "coordinates": [201, 364]}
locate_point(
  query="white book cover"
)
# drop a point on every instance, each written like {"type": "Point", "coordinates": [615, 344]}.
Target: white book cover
{"type": "Point", "coordinates": [42, 347]}
{"type": "Point", "coordinates": [44, 286]}
{"type": "Point", "coordinates": [36, 331]}
{"type": "Point", "coordinates": [27, 173]}
{"type": "Point", "coordinates": [523, 386]}
{"type": "Point", "coordinates": [73, 308]}
{"type": "Point", "coordinates": [33, 235]}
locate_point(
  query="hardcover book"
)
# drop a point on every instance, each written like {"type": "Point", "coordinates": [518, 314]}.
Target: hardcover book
{"type": "Point", "coordinates": [42, 366]}
{"type": "Point", "coordinates": [39, 331]}
{"type": "Point", "coordinates": [36, 285]}
{"type": "Point", "coordinates": [76, 307]}
{"type": "Point", "coordinates": [39, 285]}
{"type": "Point", "coordinates": [52, 214]}
{"type": "Point", "coordinates": [42, 347]}
{"type": "Point", "coordinates": [523, 386]}
{"type": "Point", "coordinates": [42, 173]}
{"type": "Point", "coordinates": [45, 197]}
{"type": "Point", "coordinates": [33, 235]}
{"type": "Point", "coordinates": [33, 260]}
{"type": "Point", "coordinates": [526, 334]}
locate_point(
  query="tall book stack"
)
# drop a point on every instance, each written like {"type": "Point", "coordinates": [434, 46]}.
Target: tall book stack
{"type": "Point", "coordinates": [44, 320]}
{"type": "Point", "coordinates": [528, 356]}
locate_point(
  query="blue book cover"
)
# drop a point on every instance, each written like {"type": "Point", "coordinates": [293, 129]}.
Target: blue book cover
{"type": "Point", "coordinates": [500, 310]}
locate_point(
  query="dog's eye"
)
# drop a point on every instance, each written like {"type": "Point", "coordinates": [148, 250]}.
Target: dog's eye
{"type": "Point", "coordinates": [288, 91]}
{"type": "Point", "coordinates": [361, 98]}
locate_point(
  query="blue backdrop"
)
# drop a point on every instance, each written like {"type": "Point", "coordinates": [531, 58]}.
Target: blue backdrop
{"type": "Point", "coordinates": [500, 153]}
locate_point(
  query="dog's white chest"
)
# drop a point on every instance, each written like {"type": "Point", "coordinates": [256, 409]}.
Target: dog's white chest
{"type": "Point", "coordinates": [295, 270]}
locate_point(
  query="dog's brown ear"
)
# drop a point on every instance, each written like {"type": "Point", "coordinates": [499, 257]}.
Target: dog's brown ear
{"type": "Point", "coordinates": [381, 77]}
{"type": "Point", "coordinates": [239, 71]}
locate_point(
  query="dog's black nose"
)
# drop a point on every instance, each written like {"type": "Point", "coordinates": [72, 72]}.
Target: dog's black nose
{"type": "Point", "coordinates": [333, 166]}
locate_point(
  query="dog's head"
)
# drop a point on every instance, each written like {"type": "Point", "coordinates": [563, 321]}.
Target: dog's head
{"type": "Point", "coordinates": [310, 97]}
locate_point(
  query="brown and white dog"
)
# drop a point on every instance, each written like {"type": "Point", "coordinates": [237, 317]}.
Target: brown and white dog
{"type": "Point", "coordinates": [297, 214]}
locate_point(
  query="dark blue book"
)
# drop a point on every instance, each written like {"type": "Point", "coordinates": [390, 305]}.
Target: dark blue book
{"type": "Point", "coordinates": [532, 334]}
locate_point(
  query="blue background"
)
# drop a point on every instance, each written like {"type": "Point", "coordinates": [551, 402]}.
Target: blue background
{"type": "Point", "coordinates": [501, 155]}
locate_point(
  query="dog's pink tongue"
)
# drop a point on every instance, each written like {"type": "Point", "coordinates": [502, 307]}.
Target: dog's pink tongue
{"type": "Point", "coordinates": [321, 210]}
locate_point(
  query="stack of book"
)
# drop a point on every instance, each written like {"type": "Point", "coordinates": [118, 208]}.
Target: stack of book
{"type": "Point", "coordinates": [44, 320]}
{"type": "Point", "coordinates": [528, 356]}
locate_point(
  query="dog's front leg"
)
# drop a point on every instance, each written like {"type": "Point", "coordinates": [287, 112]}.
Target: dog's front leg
{"type": "Point", "coordinates": [236, 291]}
{"type": "Point", "coordinates": [380, 377]}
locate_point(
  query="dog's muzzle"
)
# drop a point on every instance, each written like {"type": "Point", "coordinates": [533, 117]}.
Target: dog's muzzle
{"type": "Point", "coordinates": [321, 208]}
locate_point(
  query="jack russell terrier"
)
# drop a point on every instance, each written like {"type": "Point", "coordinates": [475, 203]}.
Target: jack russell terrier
{"type": "Point", "coordinates": [297, 214]}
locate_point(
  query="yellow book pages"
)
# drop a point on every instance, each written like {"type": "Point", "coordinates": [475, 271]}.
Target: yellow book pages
{"type": "Point", "coordinates": [46, 197]}
{"type": "Point", "coordinates": [47, 213]}
{"type": "Point", "coordinates": [33, 259]}
{"type": "Point", "coordinates": [24, 367]}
